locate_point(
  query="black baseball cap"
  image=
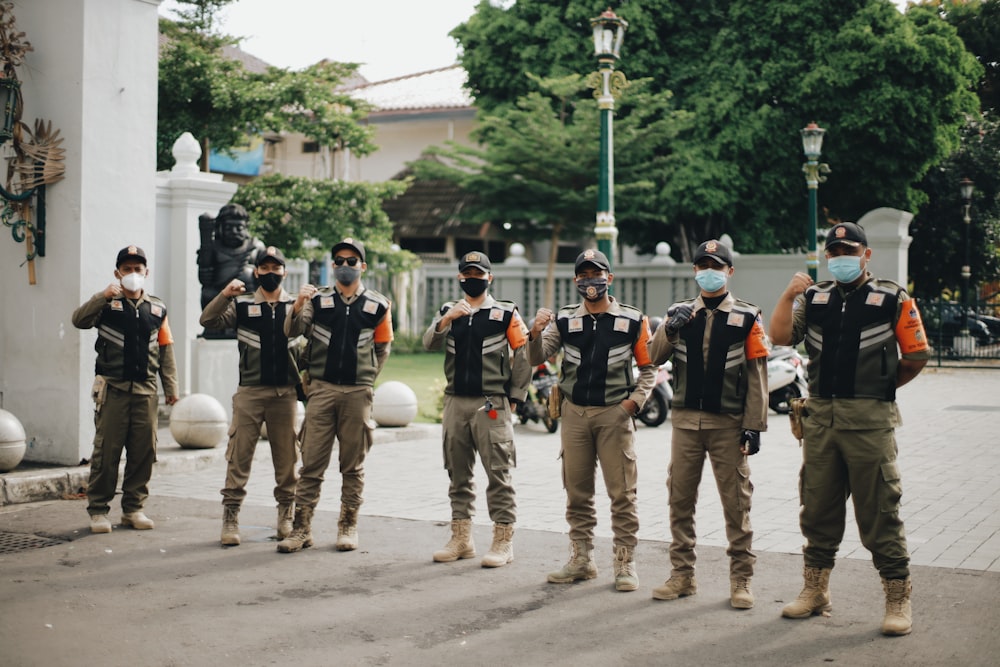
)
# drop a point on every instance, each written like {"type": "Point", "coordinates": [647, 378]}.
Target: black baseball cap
{"type": "Point", "coordinates": [130, 252]}
{"type": "Point", "coordinates": [716, 250]}
{"type": "Point", "coordinates": [270, 253]}
{"type": "Point", "coordinates": [595, 257]}
{"type": "Point", "coordinates": [847, 233]}
{"type": "Point", "coordinates": [350, 243]}
{"type": "Point", "coordinates": [476, 260]}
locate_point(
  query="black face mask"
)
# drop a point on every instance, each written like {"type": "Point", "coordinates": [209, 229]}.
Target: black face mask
{"type": "Point", "coordinates": [346, 275]}
{"type": "Point", "coordinates": [269, 281]}
{"type": "Point", "coordinates": [474, 286]}
{"type": "Point", "coordinates": [592, 289]}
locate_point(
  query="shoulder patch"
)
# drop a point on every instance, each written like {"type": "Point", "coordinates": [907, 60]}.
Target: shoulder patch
{"type": "Point", "coordinates": [567, 311]}
{"type": "Point", "coordinates": [505, 305]}
{"type": "Point", "coordinates": [376, 297]}
{"type": "Point", "coordinates": [745, 307]}
{"type": "Point", "coordinates": [630, 312]}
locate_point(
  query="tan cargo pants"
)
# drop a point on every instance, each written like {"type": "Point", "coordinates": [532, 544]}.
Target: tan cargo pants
{"type": "Point", "coordinates": [252, 407]}
{"type": "Point", "coordinates": [836, 465]}
{"type": "Point", "coordinates": [468, 430]}
{"type": "Point", "coordinates": [342, 413]}
{"type": "Point", "coordinates": [732, 477]}
{"type": "Point", "coordinates": [126, 422]}
{"type": "Point", "coordinates": [605, 435]}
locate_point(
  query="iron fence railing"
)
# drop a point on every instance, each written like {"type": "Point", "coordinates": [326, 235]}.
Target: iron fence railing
{"type": "Point", "coordinates": [962, 335]}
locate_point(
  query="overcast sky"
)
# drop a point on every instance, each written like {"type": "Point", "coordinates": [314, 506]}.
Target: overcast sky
{"type": "Point", "coordinates": [389, 38]}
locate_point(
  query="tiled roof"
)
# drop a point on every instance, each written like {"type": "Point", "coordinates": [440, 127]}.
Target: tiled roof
{"type": "Point", "coordinates": [442, 88]}
{"type": "Point", "coordinates": [430, 208]}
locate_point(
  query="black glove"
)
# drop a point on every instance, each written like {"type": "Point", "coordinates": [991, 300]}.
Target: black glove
{"type": "Point", "coordinates": [680, 317]}
{"type": "Point", "coordinates": [750, 441]}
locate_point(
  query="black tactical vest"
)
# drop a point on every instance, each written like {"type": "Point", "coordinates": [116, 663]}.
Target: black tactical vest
{"type": "Point", "coordinates": [851, 339]}
{"type": "Point", "coordinates": [265, 358]}
{"type": "Point", "coordinates": [128, 339]}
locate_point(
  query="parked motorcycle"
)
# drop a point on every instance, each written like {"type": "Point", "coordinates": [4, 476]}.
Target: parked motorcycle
{"type": "Point", "coordinates": [786, 378]}
{"type": "Point", "coordinates": [654, 412]}
{"type": "Point", "coordinates": [536, 407]}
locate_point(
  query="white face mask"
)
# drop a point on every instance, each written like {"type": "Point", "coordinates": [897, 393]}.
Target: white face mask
{"type": "Point", "coordinates": [133, 282]}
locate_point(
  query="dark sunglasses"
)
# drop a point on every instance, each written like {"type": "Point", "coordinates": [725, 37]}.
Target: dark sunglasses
{"type": "Point", "coordinates": [351, 261]}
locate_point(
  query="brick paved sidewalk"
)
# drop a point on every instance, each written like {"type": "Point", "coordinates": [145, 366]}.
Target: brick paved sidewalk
{"type": "Point", "coordinates": [951, 504]}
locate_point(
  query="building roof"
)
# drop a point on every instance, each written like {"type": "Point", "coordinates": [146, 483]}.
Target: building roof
{"type": "Point", "coordinates": [430, 209]}
{"type": "Point", "coordinates": [435, 89]}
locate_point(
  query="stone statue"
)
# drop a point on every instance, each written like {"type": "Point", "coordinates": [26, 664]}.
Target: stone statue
{"type": "Point", "coordinates": [227, 251]}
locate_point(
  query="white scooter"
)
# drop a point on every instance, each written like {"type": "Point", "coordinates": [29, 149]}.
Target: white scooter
{"type": "Point", "coordinates": [786, 378]}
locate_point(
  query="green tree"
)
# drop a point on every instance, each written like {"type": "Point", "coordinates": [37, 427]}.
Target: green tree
{"type": "Point", "coordinates": [892, 90]}
{"type": "Point", "coordinates": [938, 249]}
{"type": "Point", "coordinates": [214, 97]}
{"type": "Point", "coordinates": [978, 24]}
{"type": "Point", "coordinates": [533, 173]}
{"type": "Point", "coordinates": [305, 217]}
{"type": "Point", "coordinates": [199, 15]}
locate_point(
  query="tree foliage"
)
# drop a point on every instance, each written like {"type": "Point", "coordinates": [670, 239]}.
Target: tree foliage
{"type": "Point", "coordinates": [533, 173]}
{"type": "Point", "coordinates": [305, 217]}
{"type": "Point", "coordinates": [978, 24]}
{"type": "Point", "coordinates": [938, 249]}
{"type": "Point", "coordinates": [214, 97]}
{"type": "Point", "coordinates": [891, 90]}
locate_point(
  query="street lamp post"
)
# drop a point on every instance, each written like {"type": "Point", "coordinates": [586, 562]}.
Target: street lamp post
{"type": "Point", "coordinates": [812, 145]}
{"type": "Point", "coordinates": [966, 187]}
{"type": "Point", "coordinates": [608, 84]}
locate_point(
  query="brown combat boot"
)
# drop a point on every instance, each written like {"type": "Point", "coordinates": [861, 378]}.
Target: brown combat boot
{"type": "Point", "coordinates": [898, 613]}
{"type": "Point", "coordinates": [230, 526]}
{"type": "Point", "coordinates": [286, 519]}
{"type": "Point", "coordinates": [626, 578]}
{"type": "Point", "coordinates": [815, 595]}
{"type": "Point", "coordinates": [347, 529]}
{"type": "Point", "coordinates": [740, 595]}
{"type": "Point", "coordinates": [677, 586]}
{"type": "Point", "coordinates": [301, 536]}
{"type": "Point", "coordinates": [581, 565]}
{"type": "Point", "coordinates": [460, 545]}
{"type": "Point", "coordinates": [502, 550]}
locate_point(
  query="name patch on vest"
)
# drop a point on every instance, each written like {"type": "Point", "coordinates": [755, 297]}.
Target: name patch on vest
{"type": "Point", "coordinates": [326, 302]}
{"type": "Point", "coordinates": [117, 305]}
{"type": "Point", "coordinates": [370, 307]}
{"type": "Point", "coordinates": [496, 314]}
{"type": "Point", "coordinates": [735, 319]}
{"type": "Point", "coordinates": [156, 310]}
{"type": "Point", "coordinates": [575, 324]}
{"type": "Point", "coordinates": [621, 324]}
{"type": "Point", "coordinates": [254, 311]}
{"type": "Point", "coordinates": [822, 297]}
{"type": "Point", "coordinates": [874, 299]}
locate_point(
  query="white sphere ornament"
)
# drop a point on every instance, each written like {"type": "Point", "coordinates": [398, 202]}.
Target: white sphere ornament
{"type": "Point", "coordinates": [395, 404]}
{"type": "Point", "coordinates": [198, 421]}
{"type": "Point", "coordinates": [12, 441]}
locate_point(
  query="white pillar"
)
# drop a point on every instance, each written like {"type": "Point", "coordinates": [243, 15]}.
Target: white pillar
{"type": "Point", "coordinates": [92, 73]}
{"type": "Point", "coordinates": [182, 194]}
{"type": "Point", "coordinates": [888, 235]}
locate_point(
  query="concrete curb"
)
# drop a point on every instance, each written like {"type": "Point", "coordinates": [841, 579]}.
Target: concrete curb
{"type": "Point", "coordinates": [31, 483]}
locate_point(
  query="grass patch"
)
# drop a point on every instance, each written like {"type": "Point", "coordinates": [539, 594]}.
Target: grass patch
{"type": "Point", "coordinates": [424, 374]}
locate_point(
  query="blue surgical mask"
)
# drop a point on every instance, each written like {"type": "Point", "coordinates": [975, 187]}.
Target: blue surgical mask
{"type": "Point", "coordinates": [711, 280]}
{"type": "Point", "coordinates": [845, 268]}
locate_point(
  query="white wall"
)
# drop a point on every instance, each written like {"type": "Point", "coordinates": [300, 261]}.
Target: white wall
{"type": "Point", "coordinates": [93, 74]}
{"type": "Point", "coordinates": [402, 138]}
